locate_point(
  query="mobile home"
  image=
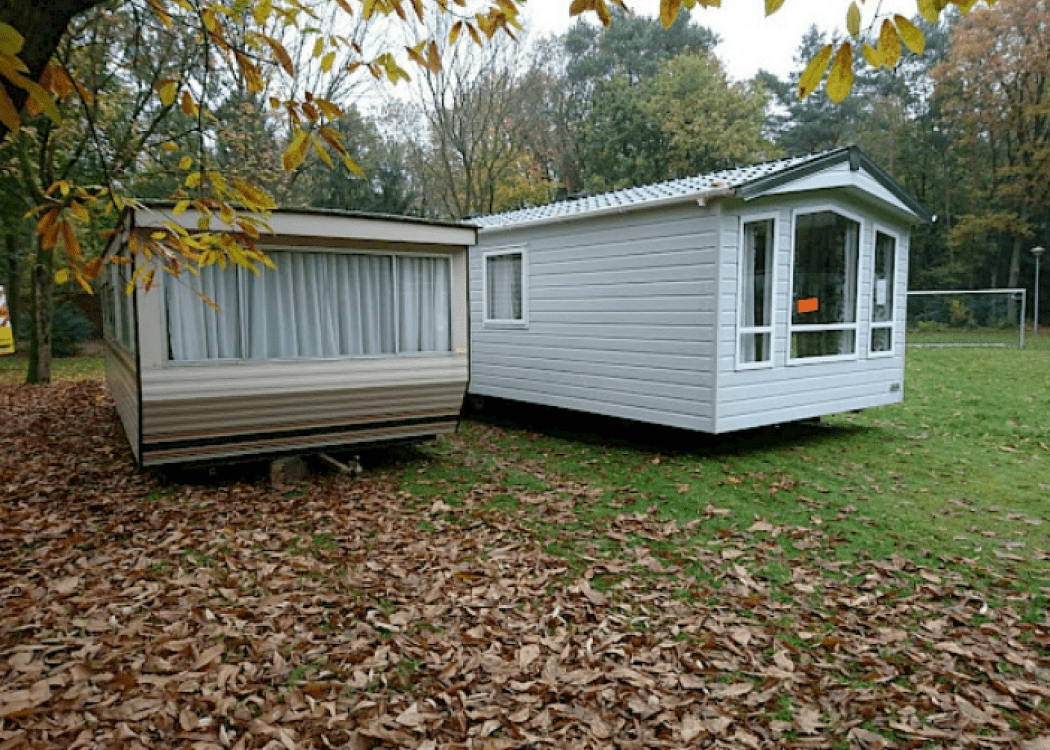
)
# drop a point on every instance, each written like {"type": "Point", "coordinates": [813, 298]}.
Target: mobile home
{"type": "Point", "coordinates": [746, 297]}
{"type": "Point", "coordinates": [358, 337]}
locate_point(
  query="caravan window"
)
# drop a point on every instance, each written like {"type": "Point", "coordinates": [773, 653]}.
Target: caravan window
{"type": "Point", "coordinates": [824, 286]}
{"type": "Point", "coordinates": [504, 291]}
{"type": "Point", "coordinates": [315, 305]}
{"type": "Point", "coordinates": [755, 341]}
{"type": "Point", "coordinates": [882, 294]}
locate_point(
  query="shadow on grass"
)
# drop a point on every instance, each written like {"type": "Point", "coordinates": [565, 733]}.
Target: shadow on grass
{"type": "Point", "coordinates": [596, 429]}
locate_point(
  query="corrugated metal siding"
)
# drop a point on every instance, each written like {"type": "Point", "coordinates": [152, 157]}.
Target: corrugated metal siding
{"type": "Point", "coordinates": [785, 392]}
{"type": "Point", "coordinates": [123, 386]}
{"type": "Point", "coordinates": [228, 409]}
{"type": "Point", "coordinates": [621, 318]}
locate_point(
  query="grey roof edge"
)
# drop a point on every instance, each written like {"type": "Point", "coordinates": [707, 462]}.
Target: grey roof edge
{"type": "Point", "coordinates": [698, 196]}
{"type": "Point", "coordinates": [161, 204]}
{"type": "Point", "coordinates": [857, 160]}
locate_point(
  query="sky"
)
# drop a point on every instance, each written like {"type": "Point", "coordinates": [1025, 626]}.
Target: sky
{"type": "Point", "coordinates": [750, 41]}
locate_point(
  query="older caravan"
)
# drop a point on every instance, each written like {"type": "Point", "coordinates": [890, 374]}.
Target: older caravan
{"type": "Point", "coordinates": [747, 297]}
{"type": "Point", "coordinates": [358, 337]}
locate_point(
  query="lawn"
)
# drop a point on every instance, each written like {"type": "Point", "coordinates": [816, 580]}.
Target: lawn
{"type": "Point", "coordinates": [543, 579]}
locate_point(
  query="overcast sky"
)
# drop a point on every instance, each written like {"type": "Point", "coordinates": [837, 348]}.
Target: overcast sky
{"type": "Point", "coordinates": [750, 41]}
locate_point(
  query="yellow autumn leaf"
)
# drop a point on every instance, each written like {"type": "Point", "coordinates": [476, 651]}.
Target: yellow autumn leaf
{"type": "Point", "coordinates": [853, 20]}
{"type": "Point", "coordinates": [169, 147]}
{"type": "Point", "coordinates": [93, 268]}
{"type": "Point", "coordinates": [61, 277]}
{"type": "Point", "coordinates": [580, 6]}
{"type": "Point", "coordinates": [453, 35]}
{"type": "Point", "coordinates": [8, 114]}
{"type": "Point", "coordinates": [872, 56]}
{"type": "Point", "coordinates": [840, 79]}
{"type": "Point", "coordinates": [327, 61]}
{"type": "Point", "coordinates": [322, 152]}
{"type": "Point", "coordinates": [180, 207]}
{"type": "Point", "coordinates": [669, 11]}
{"type": "Point", "coordinates": [318, 46]}
{"type": "Point", "coordinates": [928, 9]}
{"type": "Point", "coordinates": [11, 41]}
{"type": "Point", "coordinates": [295, 153]}
{"type": "Point", "coordinates": [79, 211]}
{"type": "Point", "coordinates": [193, 179]}
{"type": "Point", "coordinates": [814, 72]}
{"type": "Point", "coordinates": [185, 162]}
{"type": "Point", "coordinates": [772, 6]}
{"type": "Point", "coordinates": [910, 34]}
{"type": "Point", "coordinates": [41, 97]}
{"type": "Point", "coordinates": [167, 93]}
{"type": "Point", "coordinates": [261, 11]}
{"type": "Point", "coordinates": [889, 44]}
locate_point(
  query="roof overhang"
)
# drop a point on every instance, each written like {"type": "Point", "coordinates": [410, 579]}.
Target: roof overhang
{"type": "Point", "coordinates": [320, 224]}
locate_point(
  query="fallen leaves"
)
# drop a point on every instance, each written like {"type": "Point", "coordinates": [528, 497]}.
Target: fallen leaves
{"type": "Point", "coordinates": [144, 614]}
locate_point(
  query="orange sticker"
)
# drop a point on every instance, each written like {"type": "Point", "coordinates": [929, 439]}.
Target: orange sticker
{"type": "Point", "coordinates": [808, 305]}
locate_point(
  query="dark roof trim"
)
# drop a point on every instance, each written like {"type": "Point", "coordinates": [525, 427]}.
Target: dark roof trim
{"type": "Point", "coordinates": [857, 160]}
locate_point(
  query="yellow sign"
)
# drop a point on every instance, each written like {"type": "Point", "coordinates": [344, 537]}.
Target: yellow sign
{"type": "Point", "coordinates": [7, 336]}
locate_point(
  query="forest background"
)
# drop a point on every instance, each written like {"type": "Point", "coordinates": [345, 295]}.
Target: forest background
{"type": "Point", "coordinates": [514, 122]}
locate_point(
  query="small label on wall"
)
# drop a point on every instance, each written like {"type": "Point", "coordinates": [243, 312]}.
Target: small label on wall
{"type": "Point", "coordinates": [812, 304]}
{"type": "Point", "coordinates": [880, 291]}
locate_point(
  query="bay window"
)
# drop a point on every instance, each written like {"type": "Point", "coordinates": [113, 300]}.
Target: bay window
{"type": "Point", "coordinates": [824, 286]}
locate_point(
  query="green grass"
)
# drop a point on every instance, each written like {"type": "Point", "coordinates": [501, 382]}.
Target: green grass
{"type": "Point", "coordinates": [13, 367]}
{"type": "Point", "coordinates": [957, 476]}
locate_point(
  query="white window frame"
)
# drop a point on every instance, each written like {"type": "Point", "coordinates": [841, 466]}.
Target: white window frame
{"type": "Point", "coordinates": [771, 279]}
{"type": "Point", "coordinates": [488, 322]}
{"type": "Point", "coordinates": [393, 255]}
{"type": "Point", "coordinates": [891, 325]}
{"type": "Point", "coordinates": [794, 328]}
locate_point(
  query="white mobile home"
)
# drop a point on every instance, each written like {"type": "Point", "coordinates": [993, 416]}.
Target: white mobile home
{"type": "Point", "coordinates": [747, 297]}
{"type": "Point", "coordinates": [358, 337]}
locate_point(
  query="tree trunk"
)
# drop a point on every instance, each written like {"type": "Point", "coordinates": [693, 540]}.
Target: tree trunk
{"type": "Point", "coordinates": [42, 23]}
{"type": "Point", "coordinates": [40, 332]}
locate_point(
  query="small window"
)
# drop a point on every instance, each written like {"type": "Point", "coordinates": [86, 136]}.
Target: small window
{"type": "Point", "coordinates": [505, 287]}
{"type": "Point", "coordinates": [882, 334]}
{"type": "Point", "coordinates": [824, 286]}
{"type": "Point", "coordinates": [755, 341]}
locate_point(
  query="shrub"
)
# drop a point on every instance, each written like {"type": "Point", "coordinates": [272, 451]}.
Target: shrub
{"type": "Point", "coordinates": [69, 328]}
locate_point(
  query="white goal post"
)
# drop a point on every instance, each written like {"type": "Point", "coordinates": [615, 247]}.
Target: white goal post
{"type": "Point", "coordinates": [972, 317]}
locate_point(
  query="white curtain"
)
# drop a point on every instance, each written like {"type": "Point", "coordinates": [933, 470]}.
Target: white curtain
{"type": "Point", "coordinates": [503, 280]}
{"type": "Point", "coordinates": [320, 305]}
{"type": "Point", "coordinates": [313, 306]}
{"type": "Point", "coordinates": [424, 312]}
{"type": "Point", "coordinates": [197, 331]}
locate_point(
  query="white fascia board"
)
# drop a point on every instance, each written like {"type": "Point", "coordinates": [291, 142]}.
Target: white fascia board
{"type": "Point", "coordinates": [701, 198]}
{"type": "Point", "coordinates": [296, 224]}
{"type": "Point", "coordinates": [841, 176]}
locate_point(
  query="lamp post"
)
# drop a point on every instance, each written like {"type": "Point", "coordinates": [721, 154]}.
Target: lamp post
{"type": "Point", "coordinates": [1037, 251]}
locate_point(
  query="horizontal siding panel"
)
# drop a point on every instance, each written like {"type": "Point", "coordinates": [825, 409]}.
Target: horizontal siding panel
{"type": "Point", "coordinates": [803, 410]}
{"type": "Point", "coordinates": [786, 399]}
{"type": "Point", "coordinates": [668, 318]}
{"type": "Point", "coordinates": [565, 364]}
{"type": "Point", "coordinates": [609, 276]}
{"type": "Point", "coordinates": [690, 304]}
{"type": "Point", "coordinates": [594, 345]}
{"type": "Point", "coordinates": [190, 416]}
{"type": "Point", "coordinates": [514, 385]}
{"type": "Point", "coordinates": [698, 366]}
{"type": "Point", "coordinates": [698, 332]}
{"type": "Point", "coordinates": [665, 396]}
{"type": "Point", "coordinates": [647, 257]}
{"type": "Point", "coordinates": [231, 379]}
{"type": "Point", "coordinates": [625, 291]}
